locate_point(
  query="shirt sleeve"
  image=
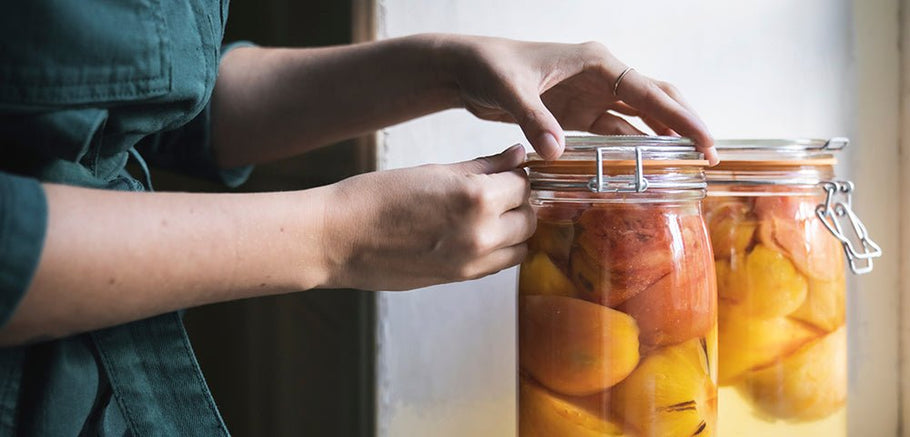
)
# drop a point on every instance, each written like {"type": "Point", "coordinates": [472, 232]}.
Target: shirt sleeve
{"type": "Point", "coordinates": [23, 223]}
{"type": "Point", "coordinates": [188, 149]}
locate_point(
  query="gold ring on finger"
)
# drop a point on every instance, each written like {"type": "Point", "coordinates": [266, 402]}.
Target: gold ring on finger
{"type": "Point", "coordinates": [619, 80]}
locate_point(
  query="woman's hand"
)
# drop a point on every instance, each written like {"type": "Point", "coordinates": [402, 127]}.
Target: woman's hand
{"type": "Point", "coordinates": [426, 225]}
{"type": "Point", "coordinates": [548, 87]}
{"type": "Point", "coordinates": [115, 257]}
{"type": "Point", "coordinates": [273, 103]}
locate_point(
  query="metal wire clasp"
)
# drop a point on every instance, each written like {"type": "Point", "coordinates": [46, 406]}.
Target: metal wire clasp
{"type": "Point", "coordinates": [837, 209]}
{"type": "Point", "coordinates": [836, 143]}
{"type": "Point", "coordinates": [618, 184]}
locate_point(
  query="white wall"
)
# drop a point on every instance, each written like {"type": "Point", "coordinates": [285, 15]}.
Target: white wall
{"type": "Point", "coordinates": [754, 68]}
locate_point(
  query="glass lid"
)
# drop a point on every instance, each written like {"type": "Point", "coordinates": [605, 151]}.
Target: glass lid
{"type": "Point", "coordinates": [621, 163]}
{"type": "Point", "coordinates": [618, 150]}
{"type": "Point", "coordinates": [791, 144]}
{"type": "Point", "coordinates": [778, 151]}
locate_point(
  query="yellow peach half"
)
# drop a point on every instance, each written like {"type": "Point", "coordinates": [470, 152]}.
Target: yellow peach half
{"type": "Point", "coordinates": [538, 275]}
{"type": "Point", "coordinates": [575, 347]}
{"type": "Point", "coordinates": [767, 284]}
{"type": "Point", "coordinates": [808, 385]}
{"type": "Point", "coordinates": [825, 305]}
{"type": "Point", "coordinates": [730, 237]}
{"type": "Point", "coordinates": [746, 343]}
{"type": "Point", "coordinates": [542, 413]}
{"type": "Point", "coordinates": [553, 239]}
{"type": "Point", "coordinates": [670, 394]}
{"type": "Point", "coordinates": [730, 225]}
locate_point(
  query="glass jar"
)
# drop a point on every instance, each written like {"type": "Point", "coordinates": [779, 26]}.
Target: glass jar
{"type": "Point", "coordinates": [617, 304]}
{"type": "Point", "coordinates": [773, 210]}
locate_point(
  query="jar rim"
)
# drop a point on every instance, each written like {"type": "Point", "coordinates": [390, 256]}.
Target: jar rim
{"type": "Point", "coordinates": [781, 144]}
{"type": "Point", "coordinates": [775, 161]}
{"type": "Point", "coordinates": [743, 154]}
{"type": "Point", "coordinates": [591, 141]}
{"type": "Point", "coordinates": [620, 150]}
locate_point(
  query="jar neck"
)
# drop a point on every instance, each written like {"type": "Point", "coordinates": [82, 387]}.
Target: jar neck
{"type": "Point", "coordinates": [661, 184]}
{"type": "Point", "coordinates": [539, 196]}
{"type": "Point", "coordinates": [770, 179]}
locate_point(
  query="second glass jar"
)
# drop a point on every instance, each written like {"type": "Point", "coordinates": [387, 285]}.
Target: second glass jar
{"type": "Point", "coordinates": [781, 276]}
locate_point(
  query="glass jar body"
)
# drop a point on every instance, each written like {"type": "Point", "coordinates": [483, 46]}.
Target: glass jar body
{"type": "Point", "coordinates": [781, 282]}
{"type": "Point", "coordinates": [617, 310]}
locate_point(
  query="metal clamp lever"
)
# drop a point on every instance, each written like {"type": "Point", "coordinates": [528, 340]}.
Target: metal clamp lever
{"type": "Point", "coordinates": [836, 143]}
{"type": "Point", "coordinates": [838, 208]}
{"type": "Point", "coordinates": [618, 184]}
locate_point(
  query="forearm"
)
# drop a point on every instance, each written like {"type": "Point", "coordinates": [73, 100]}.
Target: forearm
{"type": "Point", "coordinates": [114, 257]}
{"type": "Point", "coordinates": [272, 103]}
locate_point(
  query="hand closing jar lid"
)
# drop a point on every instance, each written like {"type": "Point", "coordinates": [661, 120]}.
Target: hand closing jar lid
{"type": "Point", "coordinates": [783, 232]}
{"type": "Point", "coordinates": [617, 300]}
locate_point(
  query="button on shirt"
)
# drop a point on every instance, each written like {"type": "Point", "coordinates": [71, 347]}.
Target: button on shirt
{"type": "Point", "coordinates": [86, 86]}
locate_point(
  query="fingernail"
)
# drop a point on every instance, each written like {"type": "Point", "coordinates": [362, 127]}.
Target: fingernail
{"type": "Point", "coordinates": [712, 157]}
{"type": "Point", "coordinates": [549, 147]}
{"type": "Point", "coordinates": [515, 153]}
{"type": "Point", "coordinates": [513, 147]}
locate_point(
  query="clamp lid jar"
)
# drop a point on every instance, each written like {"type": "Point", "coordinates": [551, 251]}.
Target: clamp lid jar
{"type": "Point", "coordinates": [617, 303]}
{"type": "Point", "coordinates": [783, 231]}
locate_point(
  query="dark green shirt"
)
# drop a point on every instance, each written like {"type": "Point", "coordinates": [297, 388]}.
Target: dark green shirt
{"type": "Point", "coordinates": [86, 86]}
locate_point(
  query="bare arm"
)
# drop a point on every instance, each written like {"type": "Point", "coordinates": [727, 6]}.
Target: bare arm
{"type": "Point", "coordinates": [272, 103]}
{"type": "Point", "coordinates": [111, 258]}
{"type": "Point", "coordinates": [115, 257]}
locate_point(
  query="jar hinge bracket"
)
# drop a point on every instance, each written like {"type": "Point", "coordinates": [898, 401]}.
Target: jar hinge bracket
{"type": "Point", "coordinates": [618, 184]}
{"type": "Point", "coordinates": [838, 208]}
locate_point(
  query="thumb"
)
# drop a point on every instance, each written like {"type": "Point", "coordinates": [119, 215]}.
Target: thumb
{"type": "Point", "coordinates": [539, 126]}
{"type": "Point", "coordinates": [508, 159]}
